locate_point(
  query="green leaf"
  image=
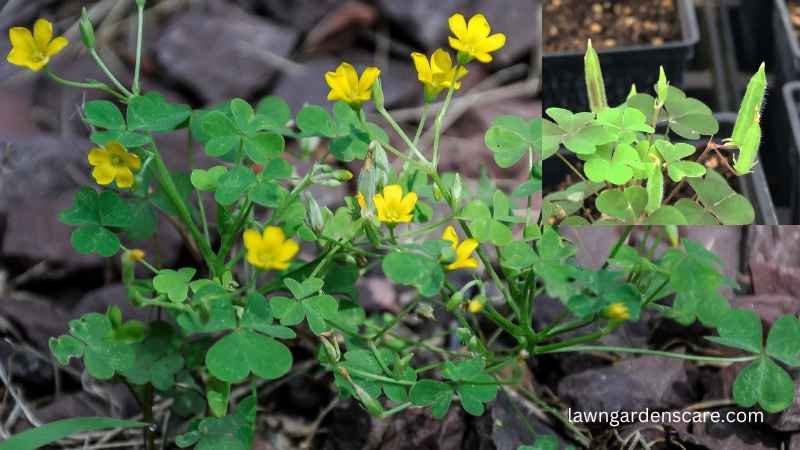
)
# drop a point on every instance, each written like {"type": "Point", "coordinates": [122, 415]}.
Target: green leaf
{"type": "Point", "coordinates": [625, 205]}
{"type": "Point", "coordinates": [104, 114]}
{"type": "Point", "coordinates": [207, 180]}
{"type": "Point", "coordinates": [718, 198]}
{"type": "Point", "coordinates": [218, 395]}
{"type": "Point", "coordinates": [765, 383]}
{"type": "Point", "coordinates": [152, 112]}
{"type": "Point", "coordinates": [740, 329]}
{"type": "Point", "coordinates": [268, 194]}
{"type": "Point", "coordinates": [307, 288]}
{"type": "Point", "coordinates": [174, 284]}
{"type": "Point", "coordinates": [234, 357]}
{"type": "Point", "coordinates": [102, 354]}
{"type": "Point", "coordinates": [682, 169]}
{"type": "Point", "coordinates": [350, 147]}
{"type": "Point", "coordinates": [518, 256]}
{"type": "Point", "coordinates": [414, 270]}
{"type": "Point", "coordinates": [432, 393]}
{"type": "Point", "coordinates": [234, 184]}
{"type": "Point", "coordinates": [509, 138]}
{"type": "Point", "coordinates": [262, 147]}
{"type": "Point", "coordinates": [85, 209]}
{"type": "Point", "coordinates": [276, 111]}
{"type": "Point", "coordinates": [666, 215]}
{"type": "Point", "coordinates": [318, 309]}
{"type": "Point", "coordinates": [114, 212]}
{"type": "Point", "coordinates": [783, 342]}
{"type": "Point", "coordinates": [315, 121]}
{"type": "Point", "coordinates": [95, 239]}
{"type": "Point", "coordinates": [52, 432]}
{"type": "Point", "coordinates": [290, 312]}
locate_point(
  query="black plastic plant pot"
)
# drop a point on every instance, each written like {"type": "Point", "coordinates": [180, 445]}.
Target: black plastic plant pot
{"type": "Point", "coordinates": [752, 186]}
{"type": "Point", "coordinates": [754, 33]}
{"type": "Point", "coordinates": [787, 47]}
{"type": "Point", "coordinates": [563, 83]}
{"type": "Point", "coordinates": [791, 98]}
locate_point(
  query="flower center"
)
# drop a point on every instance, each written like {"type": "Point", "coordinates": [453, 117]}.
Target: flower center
{"type": "Point", "coordinates": [38, 56]}
{"type": "Point", "coordinates": [265, 257]}
{"type": "Point", "coordinates": [116, 161]}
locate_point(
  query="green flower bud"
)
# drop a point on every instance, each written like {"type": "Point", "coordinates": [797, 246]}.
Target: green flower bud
{"type": "Point", "coordinates": [455, 301]}
{"type": "Point", "coordinates": [661, 87]}
{"type": "Point", "coordinates": [87, 30]}
{"type": "Point", "coordinates": [748, 150]}
{"type": "Point", "coordinates": [750, 110]}
{"type": "Point", "coordinates": [595, 85]}
{"type": "Point", "coordinates": [377, 94]}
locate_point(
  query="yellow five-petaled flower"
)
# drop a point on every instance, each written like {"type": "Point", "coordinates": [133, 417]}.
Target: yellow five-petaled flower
{"type": "Point", "coordinates": [34, 50]}
{"type": "Point", "coordinates": [394, 207]}
{"type": "Point", "coordinates": [113, 163]}
{"type": "Point", "coordinates": [347, 87]}
{"type": "Point", "coordinates": [473, 39]}
{"type": "Point", "coordinates": [270, 249]}
{"type": "Point", "coordinates": [438, 73]}
{"type": "Point", "coordinates": [464, 250]}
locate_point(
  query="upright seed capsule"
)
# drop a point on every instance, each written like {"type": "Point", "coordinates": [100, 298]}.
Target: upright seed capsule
{"type": "Point", "coordinates": [595, 85]}
{"type": "Point", "coordinates": [748, 150]}
{"type": "Point", "coordinates": [750, 109]}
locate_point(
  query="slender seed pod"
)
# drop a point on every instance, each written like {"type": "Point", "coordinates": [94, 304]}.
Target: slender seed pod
{"type": "Point", "coordinates": [748, 150]}
{"type": "Point", "coordinates": [750, 109]}
{"type": "Point", "coordinates": [87, 30]}
{"type": "Point", "coordinates": [662, 87]}
{"type": "Point", "coordinates": [595, 86]}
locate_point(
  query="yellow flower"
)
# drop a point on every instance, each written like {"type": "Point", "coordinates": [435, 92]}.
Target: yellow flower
{"type": "Point", "coordinates": [34, 50]}
{"type": "Point", "coordinates": [475, 305]}
{"type": "Point", "coordinates": [618, 312]}
{"type": "Point", "coordinates": [114, 162]}
{"type": "Point", "coordinates": [473, 39]}
{"type": "Point", "coordinates": [136, 255]}
{"type": "Point", "coordinates": [270, 249]}
{"type": "Point", "coordinates": [393, 207]}
{"type": "Point", "coordinates": [362, 201]}
{"type": "Point", "coordinates": [439, 73]}
{"type": "Point", "coordinates": [464, 250]}
{"type": "Point", "coordinates": [347, 87]}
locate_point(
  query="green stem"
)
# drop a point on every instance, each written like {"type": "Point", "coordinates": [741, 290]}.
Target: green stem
{"type": "Point", "coordinates": [422, 121]}
{"type": "Point", "coordinates": [226, 246]}
{"type": "Point", "coordinates": [571, 343]}
{"type": "Point", "coordinates": [437, 136]}
{"type": "Point", "coordinates": [139, 33]}
{"type": "Point", "coordinates": [168, 184]}
{"type": "Point", "coordinates": [399, 130]}
{"type": "Point", "coordinates": [644, 351]}
{"type": "Point", "coordinates": [91, 85]}
{"type": "Point", "coordinates": [108, 73]}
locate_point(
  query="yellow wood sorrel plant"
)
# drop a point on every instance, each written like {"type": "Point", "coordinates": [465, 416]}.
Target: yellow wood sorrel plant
{"type": "Point", "coordinates": [226, 321]}
{"type": "Point", "coordinates": [639, 159]}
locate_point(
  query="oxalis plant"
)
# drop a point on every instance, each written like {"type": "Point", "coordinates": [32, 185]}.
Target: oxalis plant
{"type": "Point", "coordinates": [227, 322]}
{"type": "Point", "coordinates": [640, 162]}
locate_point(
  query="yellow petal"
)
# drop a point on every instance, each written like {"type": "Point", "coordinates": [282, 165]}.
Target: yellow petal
{"type": "Point", "coordinates": [368, 79]}
{"type": "Point", "coordinates": [362, 201]}
{"type": "Point", "coordinates": [337, 86]}
{"type": "Point", "coordinates": [393, 194]}
{"type": "Point", "coordinates": [423, 67]}
{"type": "Point", "coordinates": [255, 261]}
{"type": "Point", "coordinates": [349, 75]}
{"type": "Point", "coordinates": [287, 251]}
{"type": "Point", "coordinates": [132, 160]}
{"type": "Point", "coordinates": [449, 234]}
{"type": "Point", "coordinates": [465, 249]}
{"type": "Point", "coordinates": [252, 239]}
{"type": "Point", "coordinates": [42, 34]}
{"type": "Point", "coordinates": [478, 27]}
{"type": "Point", "coordinates": [99, 157]}
{"type": "Point", "coordinates": [104, 174]}
{"type": "Point", "coordinates": [22, 39]}
{"type": "Point", "coordinates": [408, 203]}
{"type": "Point", "coordinates": [124, 178]}
{"type": "Point", "coordinates": [458, 25]}
{"type": "Point", "coordinates": [457, 44]}
{"type": "Point", "coordinates": [273, 236]}
{"type": "Point", "coordinates": [380, 206]}
{"type": "Point", "coordinates": [483, 57]}
{"type": "Point", "coordinates": [441, 61]}
{"type": "Point", "coordinates": [19, 58]}
{"type": "Point", "coordinates": [57, 45]}
{"type": "Point", "coordinates": [493, 43]}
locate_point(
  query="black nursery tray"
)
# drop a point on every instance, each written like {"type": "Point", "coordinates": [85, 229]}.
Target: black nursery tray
{"type": "Point", "coordinates": [563, 76]}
